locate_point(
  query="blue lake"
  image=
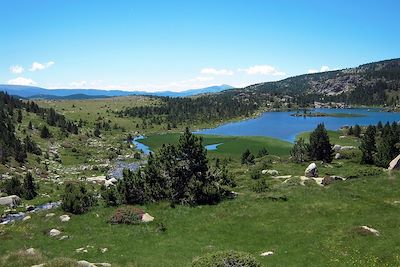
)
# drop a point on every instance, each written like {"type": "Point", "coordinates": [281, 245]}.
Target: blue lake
{"type": "Point", "coordinates": [283, 126]}
{"type": "Point", "coordinates": [212, 147]}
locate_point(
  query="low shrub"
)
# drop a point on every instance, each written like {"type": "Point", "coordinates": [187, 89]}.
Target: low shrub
{"type": "Point", "coordinates": [226, 259]}
{"type": "Point", "coordinates": [127, 215]}
{"type": "Point", "coordinates": [260, 186]}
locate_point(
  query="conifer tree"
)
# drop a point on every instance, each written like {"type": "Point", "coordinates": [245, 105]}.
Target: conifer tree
{"type": "Point", "coordinates": [368, 145]}
{"type": "Point", "coordinates": [29, 187]}
{"type": "Point", "coordinates": [320, 147]}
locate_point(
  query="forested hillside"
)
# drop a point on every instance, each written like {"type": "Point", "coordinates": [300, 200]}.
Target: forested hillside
{"type": "Point", "coordinates": [11, 116]}
{"type": "Point", "coordinates": [370, 84]}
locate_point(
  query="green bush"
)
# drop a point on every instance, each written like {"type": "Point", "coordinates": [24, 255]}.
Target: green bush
{"type": "Point", "coordinates": [226, 259]}
{"type": "Point", "coordinates": [127, 215]}
{"type": "Point", "coordinates": [77, 199]}
{"type": "Point", "coordinates": [261, 186]}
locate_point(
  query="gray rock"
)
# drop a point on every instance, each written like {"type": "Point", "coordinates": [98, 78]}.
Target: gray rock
{"type": "Point", "coordinates": [11, 201]}
{"type": "Point", "coordinates": [64, 218]}
{"type": "Point", "coordinates": [395, 163]}
{"type": "Point", "coordinates": [338, 156]}
{"type": "Point", "coordinates": [54, 232]}
{"type": "Point", "coordinates": [311, 170]}
{"type": "Point", "coordinates": [337, 148]}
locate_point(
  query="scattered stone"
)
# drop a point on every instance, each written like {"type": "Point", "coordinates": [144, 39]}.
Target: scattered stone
{"type": "Point", "coordinates": [38, 265]}
{"type": "Point", "coordinates": [26, 218]}
{"type": "Point", "coordinates": [54, 232]}
{"type": "Point", "coordinates": [50, 215]}
{"type": "Point", "coordinates": [147, 218]}
{"type": "Point", "coordinates": [64, 218]}
{"type": "Point", "coordinates": [85, 264]}
{"type": "Point", "coordinates": [267, 253]}
{"type": "Point", "coordinates": [347, 147]}
{"type": "Point", "coordinates": [64, 237]}
{"type": "Point", "coordinates": [338, 156]}
{"type": "Point", "coordinates": [370, 230]}
{"type": "Point", "coordinates": [97, 179]}
{"type": "Point", "coordinates": [283, 177]}
{"type": "Point", "coordinates": [270, 172]}
{"type": "Point", "coordinates": [311, 170]}
{"type": "Point", "coordinates": [395, 163]}
{"type": "Point", "coordinates": [337, 148]}
{"type": "Point", "coordinates": [102, 264]}
{"type": "Point", "coordinates": [103, 250]}
{"type": "Point", "coordinates": [81, 250]}
{"type": "Point", "coordinates": [110, 182]}
{"type": "Point", "coordinates": [11, 201]}
{"type": "Point", "coordinates": [30, 251]}
{"type": "Point", "coordinates": [342, 137]}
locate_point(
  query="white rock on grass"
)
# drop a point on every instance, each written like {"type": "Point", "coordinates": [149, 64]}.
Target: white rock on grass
{"type": "Point", "coordinates": [38, 265]}
{"type": "Point", "coordinates": [83, 263]}
{"type": "Point", "coordinates": [64, 218]}
{"type": "Point", "coordinates": [30, 251]}
{"type": "Point", "coordinates": [50, 215]}
{"type": "Point", "coordinates": [147, 218]}
{"type": "Point", "coordinates": [371, 230]}
{"type": "Point", "coordinates": [267, 253]}
{"type": "Point", "coordinates": [270, 172]}
{"type": "Point", "coordinates": [103, 250]}
{"type": "Point", "coordinates": [395, 163]}
{"type": "Point", "coordinates": [26, 218]}
{"type": "Point", "coordinates": [54, 232]}
{"type": "Point", "coordinates": [311, 170]}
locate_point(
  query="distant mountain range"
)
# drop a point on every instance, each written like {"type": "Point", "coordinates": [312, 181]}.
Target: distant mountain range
{"type": "Point", "coordinates": [33, 92]}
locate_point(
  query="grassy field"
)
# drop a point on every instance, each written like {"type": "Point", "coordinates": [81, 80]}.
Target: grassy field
{"type": "Point", "coordinates": [231, 146]}
{"type": "Point", "coordinates": [316, 226]}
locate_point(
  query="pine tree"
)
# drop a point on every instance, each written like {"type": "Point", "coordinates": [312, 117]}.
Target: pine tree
{"type": "Point", "coordinates": [357, 130]}
{"type": "Point", "coordinates": [320, 148]}
{"type": "Point", "coordinates": [29, 187]}
{"type": "Point", "coordinates": [368, 145]}
{"type": "Point", "coordinates": [247, 157]}
{"type": "Point", "coordinates": [45, 132]}
{"type": "Point", "coordinates": [19, 116]}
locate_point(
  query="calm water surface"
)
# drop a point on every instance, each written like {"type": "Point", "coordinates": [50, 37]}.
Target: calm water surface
{"type": "Point", "coordinates": [283, 126]}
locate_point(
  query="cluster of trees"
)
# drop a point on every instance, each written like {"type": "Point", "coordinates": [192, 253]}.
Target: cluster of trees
{"type": "Point", "coordinates": [11, 115]}
{"type": "Point", "coordinates": [209, 108]}
{"type": "Point", "coordinates": [380, 144]}
{"type": "Point", "coordinates": [27, 189]}
{"type": "Point", "coordinates": [177, 173]}
{"type": "Point", "coordinates": [318, 147]}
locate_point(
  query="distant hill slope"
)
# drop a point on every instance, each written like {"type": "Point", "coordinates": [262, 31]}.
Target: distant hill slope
{"type": "Point", "coordinates": [372, 83]}
{"type": "Point", "coordinates": [38, 92]}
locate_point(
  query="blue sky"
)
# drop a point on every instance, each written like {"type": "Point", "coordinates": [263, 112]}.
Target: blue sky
{"type": "Point", "coordinates": [177, 45]}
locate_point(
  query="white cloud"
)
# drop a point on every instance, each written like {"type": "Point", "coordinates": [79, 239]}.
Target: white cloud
{"type": "Point", "coordinates": [16, 69]}
{"type": "Point", "coordinates": [22, 81]}
{"type": "Point", "coordinates": [263, 70]}
{"type": "Point", "coordinates": [213, 71]}
{"type": "Point", "coordinates": [41, 66]}
{"type": "Point", "coordinates": [322, 69]}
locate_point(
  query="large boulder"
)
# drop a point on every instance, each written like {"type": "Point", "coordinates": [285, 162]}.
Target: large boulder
{"type": "Point", "coordinates": [395, 163]}
{"type": "Point", "coordinates": [11, 201]}
{"type": "Point", "coordinates": [97, 179]}
{"type": "Point", "coordinates": [311, 170]}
